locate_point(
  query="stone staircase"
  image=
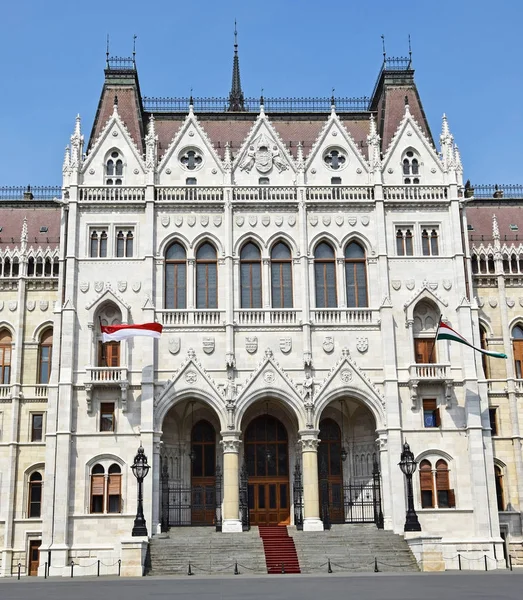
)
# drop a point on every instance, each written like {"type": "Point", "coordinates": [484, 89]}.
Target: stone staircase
{"type": "Point", "coordinates": [208, 551]}
{"type": "Point", "coordinates": [352, 548]}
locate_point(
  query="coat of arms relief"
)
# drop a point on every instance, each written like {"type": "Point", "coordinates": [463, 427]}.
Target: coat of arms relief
{"type": "Point", "coordinates": [264, 154]}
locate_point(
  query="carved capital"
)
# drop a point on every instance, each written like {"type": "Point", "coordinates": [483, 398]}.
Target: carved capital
{"type": "Point", "coordinates": [89, 396]}
{"type": "Point", "coordinates": [309, 440]}
{"type": "Point", "coordinates": [231, 442]}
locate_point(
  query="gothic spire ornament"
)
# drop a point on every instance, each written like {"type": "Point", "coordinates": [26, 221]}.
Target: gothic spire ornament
{"type": "Point", "coordinates": [236, 103]}
{"type": "Point", "coordinates": [151, 140]}
{"type": "Point", "coordinates": [77, 144]}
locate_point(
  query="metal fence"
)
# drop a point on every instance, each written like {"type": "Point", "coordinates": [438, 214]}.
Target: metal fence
{"type": "Point", "coordinates": [38, 192]}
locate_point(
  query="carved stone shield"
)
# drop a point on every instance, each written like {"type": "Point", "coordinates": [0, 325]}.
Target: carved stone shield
{"type": "Point", "coordinates": [291, 220]}
{"type": "Point", "coordinates": [1, 305]}
{"type": "Point", "coordinates": [362, 344]}
{"type": "Point", "coordinates": [286, 345]}
{"type": "Point", "coordinates": [136, 286]}
{"type": "Point", "coordinates": [328, 344]}
{"type": "Point", "coordinates": [12, 305]}
{"type": "Point", "coordinates": [98, 286]}
{"type": "Point", "coordinates": [396, 284]}
{"type": "Point", "coordinates": [174, 345]}
{"type": "Point", "coordinates": [191, 220]}
{"type": "Point", "coordinates": [410, 284]}
{"type": "Point", "coordinates": [447, 284]}
{"type": "Point", "coordinates": [217, 220]}
{"type": "Point", "coordinates": [520, 301]}
{"type": "Point", "coordinates": [204, 220]}
{"type": "Point", "coordinates": [84, 286]}
{"type": "Point", "coordinates": [352, 221]}
{"type": "Point", "coordinates": [251, 344]}
{"type": "Point", "coordinates": [165, 220]}
{"type": "Point", "coordinates": [278, 220]}
{"type": "Point", "coordinates": [240, 220]}
{"type": "Point", "coordinates": [511, 302]}
{"type": "Point", "coordinates": [266, 220]}
{"type": "Point", "coordinates": [178, 220]}
{"type": "Point", "coordinates": [365, 220]}
{"type": "Point", "coordinates": [313, 220]}
{"type": "Point", "coordinates": [122, 286]}
{"type": "Point", "coordinates": [263, 159]}
{"type": "Point", "coordinates": [208, 345]}
{"type": "Point", "coordinates": [44, 305]}
{"type": "Point", "coordinates": [253, 219]}
{"type": "Point", "coordinates": [339, 220]}
{"type": "Point", "coordinates": [31, 305]}
{"type": "Point", "coordinates": [326, 220]}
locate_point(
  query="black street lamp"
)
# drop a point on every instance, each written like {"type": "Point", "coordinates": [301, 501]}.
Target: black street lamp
{"type": "Point", "coordinates": [408, 466]}
{"type": "Point", "coordinates": [140, 468]}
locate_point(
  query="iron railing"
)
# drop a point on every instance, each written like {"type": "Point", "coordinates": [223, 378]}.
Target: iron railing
{"type": "Point", "coordinates": [39, 192]}
{"type": "Point", "coordinates": [298, 497]}
{"type": "Point", "coordinates": [120, 63]}
{"type": "Point", "coordinates": [244, 498]}
{"type": "Point", "coordinates": [272, 105]}
{"type": "Point", "coordinates": [496, 191]}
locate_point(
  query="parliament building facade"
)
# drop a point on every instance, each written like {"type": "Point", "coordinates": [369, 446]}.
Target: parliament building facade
{"type": "Point", "coordinates": [299, 254]}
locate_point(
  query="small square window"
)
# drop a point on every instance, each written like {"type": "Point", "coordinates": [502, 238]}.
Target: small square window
{"type": "Point", "coordinates": [470, 227]}
{"type": "Point", "coordinates": [514, 227]}
{"type": "Point", "coordinates": [190, 181]}
{"type": "Point", "coordinates": [264, 181]}
{"type": "Point", "coordinates": [107, 416]}
{"type": "Point", "coordinates": [335, 180]}
{"type": "Point", "coordinates": [44, 229]}
{"type": "Point", "coordinates": [37, 421]}
{"type": "Point", "coordinates": [493, 417]}
{"type": "Point", "coordinates": [430, 413]}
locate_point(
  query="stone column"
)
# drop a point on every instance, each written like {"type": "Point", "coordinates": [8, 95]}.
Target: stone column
{"type": "Point", "coordinates": [311, 501]}
{"type": "Point", "coordinates": [231, 482]}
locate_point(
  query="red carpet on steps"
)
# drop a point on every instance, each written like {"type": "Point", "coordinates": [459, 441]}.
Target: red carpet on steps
{"type": "Point", "coordinates": [279, 549]}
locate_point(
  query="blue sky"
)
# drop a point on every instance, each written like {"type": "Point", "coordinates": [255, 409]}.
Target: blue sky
{"type": "Point", "coordinates": [467, 56]}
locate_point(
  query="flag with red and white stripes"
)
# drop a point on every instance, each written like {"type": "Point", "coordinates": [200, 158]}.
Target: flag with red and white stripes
{"type": "Point", "coordinates": [116, 333]}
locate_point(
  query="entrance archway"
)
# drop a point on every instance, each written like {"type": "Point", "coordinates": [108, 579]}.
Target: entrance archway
{"type": "Point", "coordinates": [203, 473]}
{"type": "Point", "coordinates": [267, 461]}
{"type": "Point", "coordinates": [330, 467]}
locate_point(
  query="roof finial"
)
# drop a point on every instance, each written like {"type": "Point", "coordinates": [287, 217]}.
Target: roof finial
{"type": "Point", "coordinates": [191, 103]}
{"type": "Point", "coordinates": [407, 107]}
{"type": "Point", "coordinates": [107, 52]}
{"type": "Point", "coordinates": [383, 46]}
{"type": "Point", "coordinates": [134, 48]}
{"type": "Point", "coordinates": [410, 53]}
{"type": "Point", "coordinates": [495, 228]}
{"type": "Point", "coordinates": [236, 94]}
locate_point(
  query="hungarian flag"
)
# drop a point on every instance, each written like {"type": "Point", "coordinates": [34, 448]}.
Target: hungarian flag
{"type": "Point", "coordinates": [445, 332]}
{"type": "Point", "coordinates": [115, 333]}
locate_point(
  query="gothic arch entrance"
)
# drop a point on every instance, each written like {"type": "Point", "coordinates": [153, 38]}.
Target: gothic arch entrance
{"type": "Point", "coordinates": [203, 473]}
{"type": "Point", "coordinates": [267, 461]}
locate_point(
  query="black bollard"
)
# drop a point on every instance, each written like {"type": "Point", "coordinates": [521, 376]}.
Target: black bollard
{"type": "Point", "coordinates": [72, 567]}
{"type": "Point", "coordinates": [486, 568]}
{"type": "Point", "coordinates": [98, 569]}
{"type": "Point", "coordinates": [119, 566]}
{"type": "Point", "coordinates": [510, 561]}
{"type": "Point", "coordinates": [282, 567]}
{"type": "Point", "coordinates": [376, 570]}
{"type": "Point", "coordinates": [19, 569]}
{"type": "Point", "coordinates": [236, 572]}
{"type": "Point", "coordinates": [459, 561]}
{"type": "Point", "coordinates": [329, 568]}
{"type": "Point", "coordinates": [189, 570]}
{"type": "Point", "coordinates": [45, 570]}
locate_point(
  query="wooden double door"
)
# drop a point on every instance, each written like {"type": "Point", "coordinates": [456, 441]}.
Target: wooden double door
{"type": "Point", "coordinates": [267, 459]}
{"type": "Point", "coordinates": [34, 556]}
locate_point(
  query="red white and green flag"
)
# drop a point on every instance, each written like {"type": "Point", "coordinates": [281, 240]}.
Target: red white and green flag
{"type": "Point", "coordinates": [115, 333]}
{"type": "Point", "coordinates": [445, 332]}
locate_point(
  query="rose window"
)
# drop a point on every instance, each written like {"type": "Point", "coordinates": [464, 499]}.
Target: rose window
{"type": "Point", "coordinates": [335, 159]}
{"type": "Point", "coordinates": [191, 160]}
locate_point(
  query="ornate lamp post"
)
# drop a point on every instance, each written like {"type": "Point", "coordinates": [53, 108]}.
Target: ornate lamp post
{"type": "Point", "coordinates": [408, 466]}
{"type": "Point", "coordinates": [140, 468]}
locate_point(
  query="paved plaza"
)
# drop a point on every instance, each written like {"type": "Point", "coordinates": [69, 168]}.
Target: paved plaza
{"type": "Point", "coordinates": [477, 586]}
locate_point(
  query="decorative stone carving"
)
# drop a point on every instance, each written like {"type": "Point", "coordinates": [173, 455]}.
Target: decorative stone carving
{"type": "Point", "coordinates": [263, 154]}
{"type": "Point", "coordinates": [447, 284]}
{"type": "Point", "coordinates": [520, 300]}
{"type": "Point", "coordinates": [326, 220]}
{"type": "Point", "coordinates": [217, 220]}
{"type": "Point", "coordinates": [136, 286]}
{"type": "Point", "coordinates": [84, 286]}
{"type": "Point", "coordinates": [174, 344]}
{"type": "Point", "coordinates": [511, 302]}
{"type": "Point", "coordinates": [339, 220]}
{"type": "Point", "coordinates": [251, 344]}
{"type": "Point", "coordinates": [269, 376]}
{"type": "Point", "coordinates": [346, 375]}
{"type": "Point", "coordinates": [309, 444]}
{"type": "Point", "coordinates": [191, 377]}
{"type": "Point", "coordinates": [268, 353]}
{"type": "Point", "coordinates": [396, 284]}
{"type": "Point", "coordinates": [12, 305]}
{"type": "Point", "coordinates": [122, 286]}
{"type": "Point", "coordinates": [362, 344]}
{"type": "Point", "coordinates": [98, 286]}
{"type": "Point", "coordinates": [204, 220]}
{"type": "Point", "coordinates": [328, 344]}
{"type": "Point", "coordinates": [240, 220]}
{"type": "Point", "coordinates": [410, 283]}
{"type": "Point", "coordinates": [286, 344]}
{"type": "Point", "coordinates": [481, 301]}
{"type": "Point", "coordinates": [44, 305]}
{"type": "Point", "coordinates": [253, 220]}
{"type": "Point", "coordinates": [493, 302]}
{"type": "Point", "coordinates": [178, 220]}
{"type": "Point", "coordinates": [191, 220]}
{"type": "Point", "coordinates": [31, 305]}
{"type": "Point", "coordinates": [1, 305]}
{"type": "Point", "coordinates": [165, 220]}
{"type": "Point", "coordinates": [308, 388]}
{"type": "Point", "coordinates": [266, 220]}
{"type": "Point", "coordinates": [278, 220]}
{"type": "Point", "coordinates": [352, 221]}
{"type": "Point", "coordinates": [230, 446]}
{"type": "Point", "coordinates": [208, 345]}
{"type": "Point", "coordinates": [291, 220]}
{"type": "Point", "coordinates": [313, 220]}
{"type": "Point", "coordinates": [365, 220]}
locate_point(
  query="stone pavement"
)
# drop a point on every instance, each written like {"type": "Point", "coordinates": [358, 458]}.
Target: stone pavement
{"type": "Point", "coordinates": [413, 586]}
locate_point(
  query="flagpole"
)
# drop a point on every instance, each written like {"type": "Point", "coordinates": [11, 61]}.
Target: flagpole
{"type": "Point", "coordinates": [435, 338]}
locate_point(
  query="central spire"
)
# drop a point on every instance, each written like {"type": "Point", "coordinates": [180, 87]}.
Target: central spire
{"type": "Point", "coordinates": [236, 95]}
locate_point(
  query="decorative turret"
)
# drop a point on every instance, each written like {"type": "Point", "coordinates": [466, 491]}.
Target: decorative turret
{"type": "Point", "coordinates": [67, 160]}
{"type": "Point", "coordinates": [24, 237]}
{"type": "Point", "coordinates": [236, 103]}
{"type": "Point", "coordinates": [373, 141]}
{"type": "Point", "coordinates": [300, 160]}
{"type": "Point", "coordinates": [77, 145]}
{"type": "Point", "coordinates": [227, 158]}
{"type": "Point", "coordinates": [151, 146]}
{"type": "Point", "coordinates": [495, 229]}
{"type": "Point", "coordinates": [447, 145]}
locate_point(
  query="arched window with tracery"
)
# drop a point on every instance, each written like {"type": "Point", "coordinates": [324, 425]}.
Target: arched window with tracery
{"type": "Point", "coordinates": [45, 351]}
{"type": "Point", "coordinates": [250, 276]}
{"type": "Point", "coordinates": [124, 243]}
{"type": "Point", "coordinates": [114, 169]}
{"type": "Point", "coordinates": [404, 245]}
{"type": "Point", "coordinates": [176, 277]}
{"type": "Point", "coordinates": [356, 275]}
{"type": "Point", "coordinates": [206, 277]}
{"type": "Point", "coordinates": [281, 276]}
{"type": "Point", "coordinates": [426, 318]}
{"type": "Point", "coordinates": [106, 489]}
{"type": "Point", "coordinates": [6, 343]}
{"type": "Point", "coordinates": [411, 167]}
{"type": "Point", "coordinates": [325, 276]}
{"type": "Point", "coordinates": [517, 347]}
{"type": "Point", "coordinates": [34, 509]}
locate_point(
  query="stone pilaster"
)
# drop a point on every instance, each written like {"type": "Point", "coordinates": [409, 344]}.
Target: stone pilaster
{"type": "Point", "coordinates": [311, 502]}
{"type": "Point", "coordinates": [231, 482]}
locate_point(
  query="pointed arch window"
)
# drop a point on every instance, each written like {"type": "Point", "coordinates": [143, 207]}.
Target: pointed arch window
{"type": "Point", "coordinates": [114, 489]}
{"type": "Point", "coordinates": [444, 493]}
{"type": "Point", "coordinates": [97, 489]}
{"type": "Point", "coordinates": [6, 343]}
{"type": "Point", "coordinates": [356, 275]}
{"type": "Point", "coordinates": [517, 347]}
{"type": "Point", "coordinates": [404, 245]}
{"type": "Point", "coordinates": [281, 276]}
{"type": "Point", "coordinates": [426, 484]}
{"type": "Point", "coordinates": [176, 277]}
{"type": "Point", "coordinates": [206, 277]}
{"type": "Point", "coordinates": [35, 495]}
{"type": "Point", "coordinates": [325, 276]}
{"type": "Point", "coordinates": [124, 243]}
{"type": "Point", "coordinates": [250, 276]}
{"type": "Point", "coordinates": [114, 169]}
{"type": "Point", "coordinates": [411, 167]}
{"type": "Point", "coordinates": [44, 356]}
{"type": "Point", "coordinates": [97, 247]}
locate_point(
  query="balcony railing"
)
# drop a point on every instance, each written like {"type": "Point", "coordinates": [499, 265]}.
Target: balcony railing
{"type": "Point", "coordinates": [112, 193]}
{"type": "Point", "coordinates": [106, 375]}
{"type": "Point", "coordinates": [415, 192]}
{"type": "Point", "coordinates": [267, 316]}
{"type": "Point", "coordinates": [5, 391]}
{"type": "Point", "coordinates": [189, 193]}
{"type": "Point", "coordinates": [197, 317]}
{"type": "Point", "coordinates": [429, 372]}
{"type": "Point", "coordinates": [264, 192]}
{"type": "Point", "coordinates": [338, 192]}
{"type": "Point", "coordinates": [344, 316]}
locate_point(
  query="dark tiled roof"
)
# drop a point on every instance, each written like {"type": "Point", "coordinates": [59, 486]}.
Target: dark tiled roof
{"type": "Point", "coordinates": [12, 219]}
{"type": "Point", "coordinates": [480, 218]}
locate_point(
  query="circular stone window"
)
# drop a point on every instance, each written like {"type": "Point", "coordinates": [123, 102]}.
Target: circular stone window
{"type": "Point", "coordinates": [335, 159]}
{"type": "Point", "coordinates": [191, 159]}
